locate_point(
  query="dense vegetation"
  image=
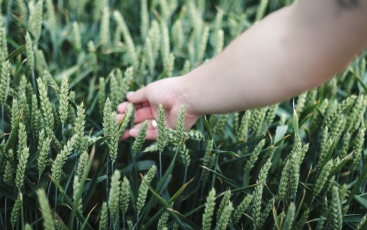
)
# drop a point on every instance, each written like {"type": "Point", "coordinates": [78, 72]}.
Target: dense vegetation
{"type": "Point", "coordinates": [65, 66]}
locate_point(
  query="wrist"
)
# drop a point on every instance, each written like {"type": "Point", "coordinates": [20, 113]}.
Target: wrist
{"type": "Point", "coordinates": [185, 94]}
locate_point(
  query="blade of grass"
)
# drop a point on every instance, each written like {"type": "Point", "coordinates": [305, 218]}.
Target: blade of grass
{"type": "Point", "coordinates": [82, 182]}
{"type": "Point", "coordinates": [174, 214]}
{"type": "Point", "coordinates": [357, 185]}
{"type": "Point", "coordinates": [69, 201]}
{"type": "Point", "coordinates": [174, 197]}
{"type": "Point", "coordinates": [160, 185]}
{"type": "Point", "coordinates": [226, 179]}
{"type": "Point", "coordinates": [94, 182]}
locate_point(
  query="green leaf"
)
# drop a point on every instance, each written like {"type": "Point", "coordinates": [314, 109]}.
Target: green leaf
{"type": "Point", "coordinates": [230, 153]}
{"type": "Point", "coordinates": [362, 199]}
{"type": "Point", "coordinates": [13, 135]}
{"type": "Point", "coordinates": [67, 73]}
{"type": "Point", "coordinates": [352, 218]}
{"type": "Point", "coordinates": [79, 194]}
{"type": "Point", "coordinates": [280, 132]}
{"type": "Point", "coordinates": [16, 52]}
{"type": "Point", "coordinates": [225, 179]}
{"type": "Point", "coordinates": [362, 177]}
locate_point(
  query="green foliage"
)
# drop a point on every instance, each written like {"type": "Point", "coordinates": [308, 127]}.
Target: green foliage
{"type": "Point", "coordinates": [209, 210]}
{"type": "Point", "coordinates": [63, 63]}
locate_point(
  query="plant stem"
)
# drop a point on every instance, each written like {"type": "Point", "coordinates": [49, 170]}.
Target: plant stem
{"type": "Point", "coordinates": [2, 119]}
{"type": "Point", "coordinates": [53, 38]}
{"type": "Point", "coordinates": [8, 15]}
{"type": "Point", "coordinates": [48, 190]}
{"type": "Point", "coordinates": [21, 209]}
{"type": "Point", "coordinates": [63, 132]}
{"type": "Point", "coordinates": [108, 157]}
{"type": "Point", "coordinates": [160, 165]}
{"type": "Point", "coordinates": [34, 82]}
{"type": "Point", "coordinates": [123, 221]}
{"type": "Point", "coordinates": [2, 222]}
{"type": "Point", "coordinates": [39, 178]}
{"type": "Point", "coordinates": [5, 209]}
{"type": "Point", "coordinates": [112, 163]}
{"type": "Point", "coordinates": [55, 197]}
{"type": "Point", "coordinates": [184, 181]}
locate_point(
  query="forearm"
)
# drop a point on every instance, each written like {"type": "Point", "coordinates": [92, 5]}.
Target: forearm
{"type": "Point", "coordinates": [290, 51]}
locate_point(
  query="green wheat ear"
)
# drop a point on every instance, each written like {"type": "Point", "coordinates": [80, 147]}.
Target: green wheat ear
{"type": "Point", "coordinates": [130, 225]}
{"type": "Point", "coordinates": [51, 17]}
{"type": "Point", "coordinates": [82, 164]}
{"type": "Point", "coordinates": [8, 171]}
{"type": "Point", "coordinates": [321, 180]}
{"type": "Point", "coordinates": [126, 82]}
{"type": "Point", "coordinates": [76, 35]}
{"type": "Point", "coordinates": [48, 222]}
{"type": "Point", "coordinates": [103, 219]}
{"type": "Point", "coordinates": [165, 45]}
{"type": "Point", "coordinates": [335, 210]}
{"type": "Point", "coordinates": [203, 44]}
{"type": "Point", "coordinates": [224, 218]}
{"type": "Point", "coordinates": [64, 99]}
{"type": "Point", "coordinates": [161, 138]}
{"type": "Point", "coordinates": [93, 57]}
{"type": "Point", "coordinates": [15, 212]}
{"type": "Point", "coordinates": [127, 36]}
{"type": "Point", "coordinates": [236, 216]}
{"type": "Point", "coordinates": [22, 164]}
{"type": "Point", "coordinates": [101, 95]}
{"type": "Point", "coordinates": [180, 125]}
{"type": "Point", "coordinates": [143, 189]}
{"type": "Point", "coordinates": [257, 200]}
{"type": "Point", "coordinates": [225, 200]}
{"type": "Point", "coordinates": [358, 146]}
{"type": "Point", "coordinates": [76, 188]}
{"type": "Point", "coordinates": [178, 35]}
{"type": "Point", "coordinates": [254, 156]}
{"type": "Point", "coordinates": [15, 113]}
{"type": "Point", "coordinates": [148, 51]}
{"type": "Point", "coordinates": [79, 127]}
{"type": "Point", "coordinates": [4, 82]}
{"type": "Point", "coordinates": [114, 197]}
{"type": "Point", "coordinates": [45, 104]}
{"type": "Point", "coordinates": [144, 15]}
{"type": "Point", "coordinates": [162, 222]}
{"type": "Point", "coordinates": [155, 37]}
{"type": "Point", "coordinates": [28, 227]}
{"type": "Point", "coordinates": [124, 195]}
{"type": "Point", "coordinates": [302, 221]}
{"type": "Point", "coordinates": [105, 27]}
{"type": "Point", "coordinates": [209, 159]}
{"type": "Point", "coordinates": [209, 210]}
{"type": "Point", "coordinates": [35, 19]}
{"type": "Point", "coordinates": [288, 222]}
{"type": "Point", "coordinates": [140, 139]}
{"type": "Point", "coordinates": [43, 148]}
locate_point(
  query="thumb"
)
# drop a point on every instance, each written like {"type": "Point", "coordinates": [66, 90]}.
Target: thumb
{"type": "Point", "coordinates": [138, 96]}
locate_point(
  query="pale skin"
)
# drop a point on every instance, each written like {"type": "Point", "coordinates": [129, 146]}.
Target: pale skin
{"type": "Point", "coordinates": [290, 51]}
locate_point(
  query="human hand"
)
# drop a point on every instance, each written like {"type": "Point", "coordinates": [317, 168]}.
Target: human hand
{"type": "Point", "coordinates": [146, 101]}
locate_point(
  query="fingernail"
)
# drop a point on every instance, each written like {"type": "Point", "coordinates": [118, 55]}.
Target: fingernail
{"type": "Point", "coordinates": [129, 94]}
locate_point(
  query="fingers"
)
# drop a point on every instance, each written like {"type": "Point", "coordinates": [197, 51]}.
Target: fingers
{"type": "Point", "coordinates": [126, 135]}
{"type": "Point", "coordinates": [139, 96]}
{"type": "Point", "coordinates": [151, 133]}
{"type": "Point", "coordinates": [141, 115]}
{"type": "Point", "coordinates": [121, 108]}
